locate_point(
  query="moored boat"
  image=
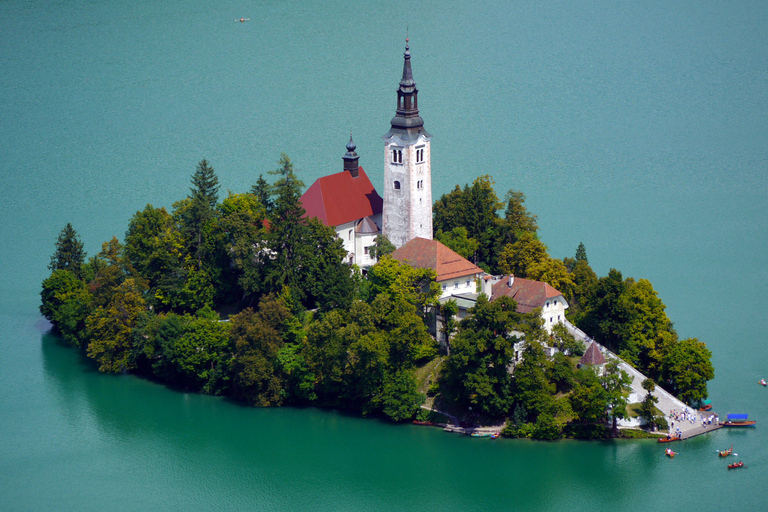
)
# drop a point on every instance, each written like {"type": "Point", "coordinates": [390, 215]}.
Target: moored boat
{"type": "Point", "coordinates": [669, 439]}
{"type": "Point", "coordinates": [738, 420]}
{"type": "Point", "coordinates": [736, 465]}
{"type": "Point", "coordinates": [481, 434]}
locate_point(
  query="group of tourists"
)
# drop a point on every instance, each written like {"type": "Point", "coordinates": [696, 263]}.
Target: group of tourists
{"type": "Point", "coordinates": [691, 417]}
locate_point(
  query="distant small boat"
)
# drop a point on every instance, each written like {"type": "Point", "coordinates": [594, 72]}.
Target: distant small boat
{"type": "Point", "coordinates": [705, 405]}
{"type": "Point", "coordinates": [736, 465]}
{"type": "Point", "coordinates": [670, 453]}
{"type": "Point", "coordinates": [495, 435]}
{"type": "Point", "coordinates": [481, 434]}
{"type": "Point", "coordinates": [241, 20]}
{"type": "Point", "coordinates": [762, 381]}
{"type": "Point", "coordinates": [725, 453]}
{"type": "Point", "coordinates": [738, 420]}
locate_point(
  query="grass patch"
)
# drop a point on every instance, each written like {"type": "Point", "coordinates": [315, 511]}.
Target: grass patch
{"type": "Point", "coordinates": [428, 373]}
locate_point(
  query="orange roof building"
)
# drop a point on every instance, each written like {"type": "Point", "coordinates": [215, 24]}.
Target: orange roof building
{"type": "Point", "coordinates": [529, 295]}
{"type": "Point", "coordinates": [455, 274]}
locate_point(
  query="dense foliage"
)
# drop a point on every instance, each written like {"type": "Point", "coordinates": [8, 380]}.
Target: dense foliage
{"type": "Point", "coordinates": [305, 328]}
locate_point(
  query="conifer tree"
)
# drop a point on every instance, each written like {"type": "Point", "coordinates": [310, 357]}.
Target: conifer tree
{"type": "Point", "coordinates": [204, 196]}
{"type": "Point", "coordinates": [69, 253]}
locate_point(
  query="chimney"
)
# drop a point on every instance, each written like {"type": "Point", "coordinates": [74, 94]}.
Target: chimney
{"type": "Point", "coordinates": [511, 279]}
{"type": "Point", "coordinates": [351, 159]}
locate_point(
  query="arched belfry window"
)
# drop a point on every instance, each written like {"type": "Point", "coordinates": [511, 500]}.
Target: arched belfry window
{"type": "Point", "coordinates": [397, 185]}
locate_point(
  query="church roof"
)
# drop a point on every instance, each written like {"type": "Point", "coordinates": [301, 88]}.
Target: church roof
{"type": "Point", "coordinates": [527, 293]}
{"type": "Point", "coordinates": [423, 253]}
{"type": "Point", "coordinates": [340, 198]}
{"type": "Point", "coordinates": [366, 227]}
{"type": "Point", "coordinates": [593, 356]}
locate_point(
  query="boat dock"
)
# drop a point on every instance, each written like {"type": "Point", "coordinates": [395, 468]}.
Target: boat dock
{"type": "Point", "coordinates": [698, 430]}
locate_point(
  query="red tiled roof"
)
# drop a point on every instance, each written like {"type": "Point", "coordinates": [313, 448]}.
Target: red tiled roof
{"type": "Point", "coordinates": [593, 356]}
{"type": "Point", "coordinates": [527, 293]}
{"type": "Point", "coordinates": [423, 253]}
{"type": "Point", "coordinates": [340, 198]}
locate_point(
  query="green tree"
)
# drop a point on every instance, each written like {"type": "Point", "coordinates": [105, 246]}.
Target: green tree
{"type": "Point", "coordinates": [382, 247]}
{"type": "Point", "coordinates": [66, 302]}
{"type": "Point", "coordinates": [589, 400]}
{"type": "Point", "coordinates": [202, 208]}
{"type": "Point", "coordinates": [517, 220]}
{"type": "Point", "coordinates": [109, 328]}
{"type": "Point", "coordinates": [263, 193]}
{"type": "Point", "coordinates": [146, 244]}
{"type": "Point", "coordinates": [458, 240]}
{"type": "Point", "coordinates": [609, 313]}
{"type": "Point", "coordinates": [400, 399]}
{"type": "Point", "coordinates": [399, 280]}
{"type": "Point", "coordinates": [257, 338]}
{"type": "Point", "coordinates": [475, 208]}
{"type": "Point", "coordinates": [687, 367]}
{"type": "Point", "coordinates": [69, 253]}
{"type": "Point", "coordinates": [524, 254]}
{"type": "Point", "coordinates": [477, 373]}
{"type": "Point", "coordinates": [648, 405]}
{"type": "Point", "coordinates": [616, 383]}
{"type": "Point", "coordinates": [650, 331]}
{"type": "Point", "coordinates": [581, 253]}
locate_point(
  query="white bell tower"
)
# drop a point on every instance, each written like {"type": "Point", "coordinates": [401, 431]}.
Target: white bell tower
{"type": "Point", "coordinates": [407, 210]}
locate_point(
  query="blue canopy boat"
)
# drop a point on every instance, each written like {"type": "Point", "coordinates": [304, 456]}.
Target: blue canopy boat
{"type": "Point", "coordinates": [738, 420]}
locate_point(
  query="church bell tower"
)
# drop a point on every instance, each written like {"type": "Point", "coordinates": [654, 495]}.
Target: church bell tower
{"type": "Point", "coordinates": [407, 210]}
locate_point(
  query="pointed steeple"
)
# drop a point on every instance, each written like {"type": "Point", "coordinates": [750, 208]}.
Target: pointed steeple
{"type": "Point", "coordinates": [407, 123]}
{"type": "Point", "coordinates": [351, 160]}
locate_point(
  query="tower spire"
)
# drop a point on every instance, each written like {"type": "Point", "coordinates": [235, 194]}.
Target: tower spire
{"type": "Point", "coordinates": [407, 122]}
{"type": "Point", "coordinates": [351, 160]}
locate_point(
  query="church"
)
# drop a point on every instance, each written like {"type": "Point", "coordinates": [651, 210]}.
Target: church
{"type": "Point", "coordinates": [349, 202]}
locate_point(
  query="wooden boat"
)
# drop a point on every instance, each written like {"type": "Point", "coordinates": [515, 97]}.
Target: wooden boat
{"type": "Point", "coordinates": [481, 434]}
{"type": "Point", "coordinates": [670, 453]}
{"type": "Point", "coordinates": [668, 439]}
{"type": "Point", "coordinates": [725, 453]}
{"type": "Point", "coordinates": [495, 435]}
{"type": "Point", "coordinates": [762, 381]}
{"type": "Point", "coordinates": [705, 405]}
{"type": "Point", "coordinates": [736, 465]}
{"type": "Point", "coordinates": [738, 420]}
{"type": "Point", "coordinates": [427, 423]}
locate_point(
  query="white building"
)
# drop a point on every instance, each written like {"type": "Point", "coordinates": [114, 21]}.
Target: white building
{"type": "Point", "coordinates": [529, 295]}
{"type": "Point", "coordinates": [349, 203]}
{"type": "Point", "coordinates": [407, 170]}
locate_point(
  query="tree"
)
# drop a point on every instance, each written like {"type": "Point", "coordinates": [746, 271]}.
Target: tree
{"type": "Point", "coordinates": [146, 243]}
{"type": "Point", "coordinates": [399, 280]}
{"type": "Point", "coordinates": [581, 253]}
{"type": "Point", "coordinates": [66, 302]}
{"type": "Point", "coordinates": [475, 208]}
{"type": "Point", "coordinates": [589, 400]}
{"type": "Point", "coordinates": [288, 229]}
{"type": "Point", "coordinates": [381, 247]}
{"type": "Point", "coordinates": [687, 368]}
{"type": "Point", "coordinates": [400, 399]}
{"type": "Point", "coordinates": [69, 253]}
{"type": "Point", "coordinates": [203, 198]}
{"type": "Point", "coordinates": [608, 314]}
{"type": "Point", "coordinates": [477, 370]}
{"type": "Point", "coordinates": [263, 193]}
{"type": "Point", "coordinates": [616, 383]}
{"type": "Point", "coordinates": [650, 332]}
{"type": "Point", "coordinates": [647, 406]}
{"type": "Point", "coordinates": [109, 328]}
{"type": "Point", "coordinates": [517, 220]}
{"type": "Point", "coordinates": [458, 241]}
{"type": "Point", "coordinates": [519, 257]}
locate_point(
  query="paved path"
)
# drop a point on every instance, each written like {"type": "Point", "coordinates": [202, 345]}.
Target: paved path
{"type": "Point", "coordinates": [667, 402]}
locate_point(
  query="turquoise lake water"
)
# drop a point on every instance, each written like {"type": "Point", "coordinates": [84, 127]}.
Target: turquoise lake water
{"type": "Point", "coordinates": [637, 128]}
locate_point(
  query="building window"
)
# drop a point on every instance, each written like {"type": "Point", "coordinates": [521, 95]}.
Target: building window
{"type": "Point", "coordinates": [456, 285]}
{"type": "Point", "coordinates": [419, 156]}
{"type": "Point", "coordinates": [547, 304]}
{"type": "Point", "coordinates": [349, 236]}
{"type": "Point", "coordinates": [555, 303]}
{"type": "Point", "coordinates": [397, 156]}
{"type": "Point", "coordinates": [550, 319]}
{"type": "Point", "coordinates": [365, 250]}
{"type": "Point", "coordinates": [468, 283]}
{"type": "Point", "coordinates": [397, 185]}
{"type": "Point", "coordinates": [444, 287]}
{"type": "Point", "coordinates": [558, 318]}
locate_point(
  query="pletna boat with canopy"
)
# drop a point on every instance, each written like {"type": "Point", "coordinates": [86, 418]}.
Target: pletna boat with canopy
{"type": "Point", "coordinates": [738, 420]}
